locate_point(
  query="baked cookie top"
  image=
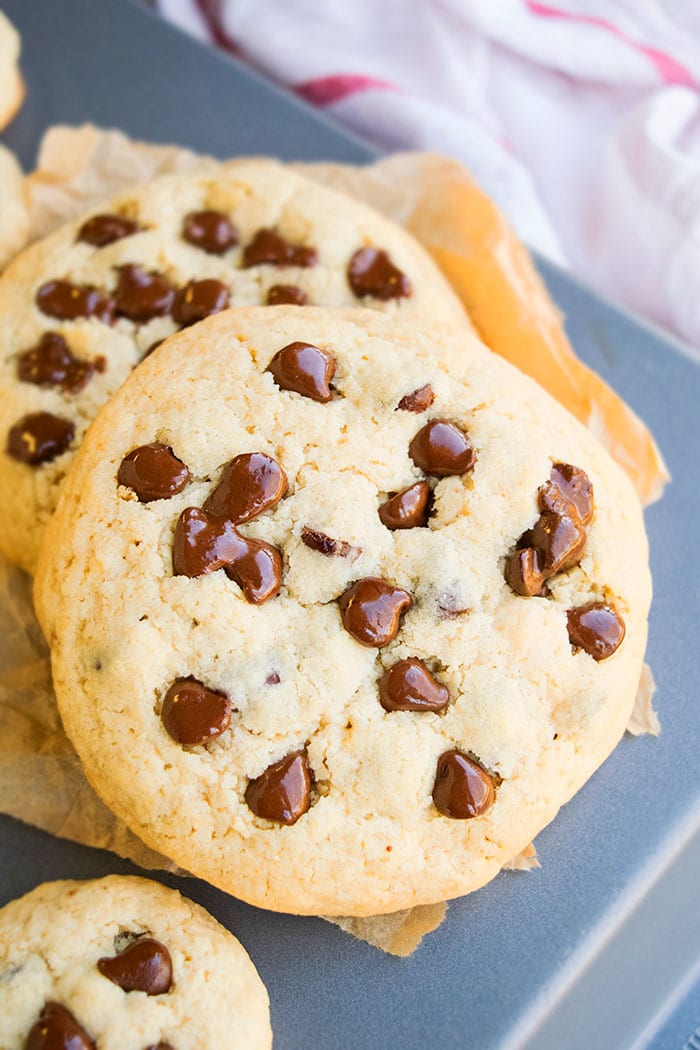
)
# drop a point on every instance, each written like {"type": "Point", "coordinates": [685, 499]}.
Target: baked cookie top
{"type": "Point", "coordinates": [11, 83]}
{"type": "Point", "coordinates": [82, 307]}
{"type": "Point", "coordinates": [341, 609]}
{"type": "Point", "coordinates": [123, 963]}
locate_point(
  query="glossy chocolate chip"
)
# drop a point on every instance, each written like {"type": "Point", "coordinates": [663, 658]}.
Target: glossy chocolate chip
{"type": "Point", "coordinates": [210, 230]}
{"type": "Point", "coordinates": [371, 610]}
{"type": "Point", "coordinates": [141, 295]}
{"type": "Point", "coordinates": [39, 438]}
{"type": "Point", "coordinates": [418, 400]}
{"type": "Point", "coordinates": [441, 448]}
{"type": "Point", "coordinates": [523, 572]}
{"type": "Point", "coordinates": [257, 569]}
{"type": "Point", "coordinates": [57, 1029]}
{"type": "Point", "coordinates": [199, 299]}
{"type": "Point", "coordinates": [319, 541]}
{"type": "Point", "coordinates": [268, 248]}
{"type": "Point", "coordinates": [408, 509]}
{"type": "Point", "coordinates": [193, 714]}
{"type": "Point", "coordinates": [596, 628]}
{"type": "Point", "coordinates": [250, 484]}
{"type": "Point", "coordinates": [410, 686]}
{"type": "Point", "coordinates": [51, 363]}
{"type": "Point", "coordinates": [304, 369]}
{"type": "Point", "coordinates": [286, 294]}
{"type": "Point", "coordinates": [462, 788]}
{"type": "Point", "coordinates": [68, 301]}
{"type": "Point", "coordinates": [568, 491]}
{"type": "Point", "coordinates": [101, 230]}
{"type": "Point", "coordinates": [153, 472]}
{"type": "Point", "coordinates": [371, 272]}
{"type": "Point", "coordinates": [203, 543]}
{"type": "Point", "coordinates": [143, 966]}
{"type": "Point", "coordinates": [282, 793]}
{"type": "Point", "coordinates": [559, 541]}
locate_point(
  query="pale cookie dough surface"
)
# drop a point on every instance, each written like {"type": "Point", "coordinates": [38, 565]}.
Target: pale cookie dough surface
{"type": "Point", "coordinates": [255, 195]}
{"type": "Point", "coordinates": [11, 83]}
{"type": "Point", "coordinates": [122, 627]}
{"type": "Point", "coordinates": [14, 217]}
{"type": "Point", "coordinates": [50, 944]}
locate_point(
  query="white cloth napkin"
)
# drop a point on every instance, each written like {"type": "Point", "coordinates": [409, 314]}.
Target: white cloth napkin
{"type": "Point", "coordinates": [581, 118]}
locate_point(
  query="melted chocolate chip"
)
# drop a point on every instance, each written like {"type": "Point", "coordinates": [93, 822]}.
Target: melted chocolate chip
{"type": "Point", "coordinates": [319, 541]}
{"type": "Point", "coordinates": [257, 569]}
{"type": "Point", "coordinates": [51, 363]}
{"type": "Point", "coordinates": [144, 966]}
{"type": "Point", "coordinates": [408, 509]}
{"type": "Point", "coordinates": [57, 1029]}
{"type": "Point", "coordinates": [559, 541]}
{"type": "Point", "coordinates": [268, 248]}
{"type": "Point", "coordinates": [371, 610]}
{"type": "Point", "coordinates": [210, 230]}
{"type": "Point", "coordinates": [418, 400]}
{"type": "Point", "coordinates": [199, 299]}
{"type": "Point", "coordinates": [250, 484]}
{"type": "Point", "coordinates": [105, 229]}
{"type": "Point", "coordinates": [69, 301]}
{"type": "Point", "coordinates": [193, 714]}
{"type": "Point", "coordinates": [153, 472]}
{"type": "Point", "coordinates": [203, 543]}
{"type": "Point", "coordinates": [568, 491]}
{"type": "Point", "coordinates": [371, 272]}
{"type": "Point", "coordinates": [523, 572]}
{"type": "Point", "coordinates": [442, 448]}
{"type": "Point", "coordinates": [39, 438]}
{"type": "Point", "coordinates": [304, 369]}
{"type": "Point", "coordinates": [282, 793]}
{"type": "Point", "coordinates": [410, 686]}
{"type": "Point", "coordinates": [290, 294]}
{"type": "Point", "coordinates": [462, 788]}
{"type": "Point", "coordinates": [141, 295]}
{"type": "Point", "coordinates": [596, 628]}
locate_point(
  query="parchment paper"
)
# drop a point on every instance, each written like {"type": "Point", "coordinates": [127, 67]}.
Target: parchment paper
{"type": "Point", "coordinates": [41, 780]}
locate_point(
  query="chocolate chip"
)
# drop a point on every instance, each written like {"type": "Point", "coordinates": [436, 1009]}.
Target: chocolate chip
{"type": "Point", "coordinates": [153, 472]}
{"type": "Point", "coordinates": [69, 301]}
{"type": "Point", "coordinates": [203, 543]}
{"type": "Point", "coordinates": [273, 678]}
{"type": "Point", "coordinates": [410, 686]}
{"type": "Point", "coordinates": [193, 714]}
{"type": "Point", "coordinates": [250, 484]}
{"type": "Point", "coordinates": [199, 299]}
{"type": "Point", "coordinates": [144, 966]}
{"type": "Point", "coordinates": [559, 541]}
{"type": "Point", "coordinates": [105, 229]}
{"type": "Point", "coordinates": [568, 491]}
{"type": "Point", "coordinates": [257, 569]}
{"type": "Point", "coordinates": [442, 448]}
{"type": "Point", "coordinates": [268, 248]}
{"type": "Point", "coordinates": [319, 541]}
{"type": "Point", "coordinates": [51, 363]}
{"type": "Point", "coordinates": [57, 1029]}
{"type": "Point", "coordinates": [280, 294]}
{"type": "Point", "coordinates": [596, 628]}
{"type": "Point", "coordinates": [523, 572]}
{"type": "Point", "coordinates": [371, 272]}
{"type": "Point", "coordinates": [408, 509]}
{"type": "Point", "coordinates": [39, 438]}
{"type": "Point", "coordinates": [210, 230]}
{"type": "Point", "coordinates": [462, 788]}
{"type": "Point", "coordinates": [371, 610]}
{"type": "Point", "coordinates": [282, 793]}
{"type": "Point", "coordinates": [141, 295]}
{"type": "Point", "coordinates": [304, 369]}
{"type": "Point", "coordinates": [418, 400]}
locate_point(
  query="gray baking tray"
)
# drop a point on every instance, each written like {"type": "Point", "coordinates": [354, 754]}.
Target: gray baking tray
{"type": "Point", "coordinates": [601, 948]}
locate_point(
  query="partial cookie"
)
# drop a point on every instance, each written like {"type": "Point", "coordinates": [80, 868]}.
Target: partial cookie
{"type": "Point", "coordinates": [11, 83]}
{"type": "Point", "coordinates": [14, 216]}
{"type": "Point", "coordinates": [123, 963]}
{"type": "Point", "coordinates": [84, 306]}
{"type": "Point", "coordinates": [354, 595]}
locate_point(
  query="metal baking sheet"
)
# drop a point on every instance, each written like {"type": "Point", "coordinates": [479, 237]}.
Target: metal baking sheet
{"type": "Point", "coordinates": [601, 947]}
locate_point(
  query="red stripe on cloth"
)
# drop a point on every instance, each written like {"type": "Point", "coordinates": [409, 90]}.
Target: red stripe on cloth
{"type": "Point", "coordinates": [324, 91]}
{"type": "Point", "coordinates": [670, 71]}
{"type": "Point", "coordinates": [209, 10]}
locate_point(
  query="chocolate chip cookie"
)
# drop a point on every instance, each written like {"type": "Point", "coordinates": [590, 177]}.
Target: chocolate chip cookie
{"type": "Point", "coordinates": [341, 609]}
{"type": "Point", "coordinates": [123, 963]}
{"type": "Point", "coordinates": [83, 307]}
